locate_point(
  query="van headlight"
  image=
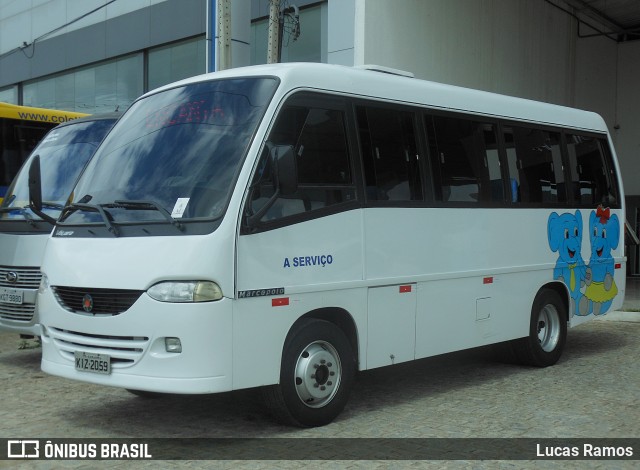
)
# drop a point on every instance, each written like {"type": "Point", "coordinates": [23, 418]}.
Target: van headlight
{"type": "Point", "coordinates": [185, 291]}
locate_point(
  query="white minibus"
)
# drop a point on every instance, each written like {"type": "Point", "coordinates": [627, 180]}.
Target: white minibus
{"type": "Point", "coordinates": [285, 226]}
{"type": "Point", "coordinates": [61, 155]}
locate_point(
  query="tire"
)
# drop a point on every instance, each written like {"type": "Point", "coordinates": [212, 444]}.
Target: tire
{"type": "Point", "coordinates": [316, 375]}
{"type": "Point", "coordinates": [547, 332]}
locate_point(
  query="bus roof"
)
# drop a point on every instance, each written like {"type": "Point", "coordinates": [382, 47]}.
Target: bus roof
{"type": "Point", "coordinates": [27, 113]}
{"type": "Point", "coordinates": [378, 83]}
{"type": "Point", "coordinates": [112, 116]}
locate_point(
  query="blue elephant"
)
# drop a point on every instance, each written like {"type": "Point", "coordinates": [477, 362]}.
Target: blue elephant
{"type": "Point", "coordinates": [565, 236]}
{"type": "Point", "coordinates": [604, 229]}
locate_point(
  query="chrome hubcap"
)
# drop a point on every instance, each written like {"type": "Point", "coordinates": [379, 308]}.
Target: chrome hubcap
{"type": "Point", "coordinates": [317, 374]}
{"type": "Point", "coordinates": [548, 328]}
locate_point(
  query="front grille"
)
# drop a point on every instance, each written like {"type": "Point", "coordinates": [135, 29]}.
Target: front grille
{"type": "Point", "coordinates": [123, 351]}
{"type": "Point", "coordinates": [22, 312]}
{"type": "Point", "coordinates": [28, 278]}
{"type": "Point", "coordinates": [102, 301]}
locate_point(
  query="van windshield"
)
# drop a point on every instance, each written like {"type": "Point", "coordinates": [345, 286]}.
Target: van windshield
{"type": "Point", "coordinates": [173, 156]}
{"type": "Point", "coordinates": [63, 152]}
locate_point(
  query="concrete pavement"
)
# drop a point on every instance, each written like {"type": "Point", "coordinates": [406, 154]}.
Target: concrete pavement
{"type": "Point", "coordinates": [592, 393]}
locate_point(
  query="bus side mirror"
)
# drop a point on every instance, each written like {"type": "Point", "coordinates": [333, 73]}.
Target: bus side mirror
{"type": "Point", "coordinates": [35, 186]}
{"type": "Point", "coordinates": [35, 191]}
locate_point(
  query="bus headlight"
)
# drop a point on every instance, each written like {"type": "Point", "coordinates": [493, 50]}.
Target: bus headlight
{"type": "Point", "coordinates": [185, 291]}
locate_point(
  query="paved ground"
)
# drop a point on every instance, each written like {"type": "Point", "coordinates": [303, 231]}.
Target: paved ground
{"type": "Point", "coordinates": [593, 392]}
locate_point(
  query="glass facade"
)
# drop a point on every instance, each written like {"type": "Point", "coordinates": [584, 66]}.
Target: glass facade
{"type": "Point", "coordinates": [100, 88]}
{"type": "Point", "coordinates": [176, 61]}
{"type": "Point", "coordinates": [116, 83]}
{"type": "Point", "coordinates": [9, 94]}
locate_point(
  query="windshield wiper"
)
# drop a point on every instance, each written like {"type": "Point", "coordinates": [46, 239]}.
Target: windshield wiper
{"type": "Point", "coordinates": [146, 205]}
{"type": "Point", "coordinates": [23, 211]}
{"type": "Point", "coordinates": [92, 208]}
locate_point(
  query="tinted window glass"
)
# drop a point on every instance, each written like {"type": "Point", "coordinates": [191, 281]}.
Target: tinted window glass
{"type": "Point", "coordinates": [318, 140]}
{"type": "Point", "coordinates": [390, 155]}
{"type": "Point", "coordinates": [590, 174]}
{"type": "Point", "coordinates": [535, 165]}
{"type": "Point", "coordinates": [63, 153]}
{"type": "Point", "coordinates": [466, 154]}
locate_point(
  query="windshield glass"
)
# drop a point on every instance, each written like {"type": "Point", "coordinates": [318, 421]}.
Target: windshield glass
{"type": "Point", "coordinates": [63, 152]}
{"type": "Point", "coordinates": [173, 155]}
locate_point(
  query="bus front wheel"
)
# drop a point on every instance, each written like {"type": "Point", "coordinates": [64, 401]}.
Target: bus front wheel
{"type": "Point", "coordinates": [316, 375]}
{"type": "Point", "coordinates": [547, 331]}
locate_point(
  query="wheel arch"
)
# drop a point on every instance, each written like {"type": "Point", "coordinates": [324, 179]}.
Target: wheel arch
{"type": "Point", "coordinates": [561, 289]}
{"type": "Point", "coordinates": [548, 324]}
{"type": "Point", "coordinates": [336, 315]}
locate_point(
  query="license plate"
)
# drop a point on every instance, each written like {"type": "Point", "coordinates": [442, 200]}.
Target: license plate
{"type": "Point", "coordinates": [11, 296]}
{"type": "Point", "coordinates": [88, 362]}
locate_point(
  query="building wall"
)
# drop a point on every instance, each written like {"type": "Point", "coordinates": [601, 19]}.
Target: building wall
{"type": "Point", "coordinates": [26, 20]}
{"type": "Point", "coordinates": [628, 115]}
{"type": "Point", "coordinates": [117, 29]}
{"type": "Point", "coordinates": [341, 36]}
{"type": "Point", "coordinates": [515, 47]}
{"type": "Point", "coordinates": [596, 72]}
{"type": "Point", "coordinates": [525, 48]}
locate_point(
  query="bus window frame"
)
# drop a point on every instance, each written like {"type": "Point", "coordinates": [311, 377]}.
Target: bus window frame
{"type": "Point", "coordinates": [310, 99]}
{"type": "Point", "coordinates": [431, 178]}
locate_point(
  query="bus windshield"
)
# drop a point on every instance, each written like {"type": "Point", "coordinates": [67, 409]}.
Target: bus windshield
{"type": "Point", "coordinates": [173, 155]}
{"type": "Point", "coordinates": [63, 153]}
{"type": "Point", "coordinates": [21, 128]}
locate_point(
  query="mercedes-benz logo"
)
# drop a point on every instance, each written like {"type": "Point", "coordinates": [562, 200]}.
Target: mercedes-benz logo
{"type": "Point", "coordinates": [11, 277]}
{"type": "Point", "coordinates": [87, 303]}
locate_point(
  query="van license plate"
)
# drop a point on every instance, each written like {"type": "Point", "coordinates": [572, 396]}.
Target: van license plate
{"type": "Point", "coordinates": [98, 363]}
{"type": "Point", "coordinates": [11, 296]}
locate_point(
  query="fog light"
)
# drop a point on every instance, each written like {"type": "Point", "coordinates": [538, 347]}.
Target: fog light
{"type": "Point", "coordinates": [173, 345]}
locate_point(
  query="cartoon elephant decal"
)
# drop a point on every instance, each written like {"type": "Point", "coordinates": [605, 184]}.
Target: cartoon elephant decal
{"type": "Point", "coordinates": [604, 232]}
{"type": "Point", "coordinates": [565, 236]}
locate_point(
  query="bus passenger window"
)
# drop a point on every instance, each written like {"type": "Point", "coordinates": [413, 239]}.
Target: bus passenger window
{"type": "Point", "coordinates": [590, 176]}
{"type": "Point", "coordinates": [535, 165]}
{"type": "Point", "coordinates": [318, 138]}
{"type": "Point", "coordinates": [466, 154]}
{"type": "Point", "coordinates": [390, 155]}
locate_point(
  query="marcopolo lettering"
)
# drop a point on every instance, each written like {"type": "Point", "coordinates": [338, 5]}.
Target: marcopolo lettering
{"type": "Point", "coordinates": [244, 294]}
{"type": "Point", "coordinates": [304, 261]}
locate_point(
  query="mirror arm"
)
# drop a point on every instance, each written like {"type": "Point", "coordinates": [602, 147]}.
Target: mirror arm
{"type": "Point", "coordinates": [35, 191]}
{"type": "Point", "coordinates": [252, 220]}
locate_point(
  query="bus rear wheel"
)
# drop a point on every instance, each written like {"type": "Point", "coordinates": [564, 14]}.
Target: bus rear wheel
{"type": "Point", "coordinates": [316, 375]}
{"type": "Point", "coordinates": [547, 331]}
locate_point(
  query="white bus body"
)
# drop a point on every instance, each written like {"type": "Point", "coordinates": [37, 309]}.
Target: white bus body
{"type": "Point", "coordinates": [63, 152]}
{"type": "Point", "coordinates": [356, 263]}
